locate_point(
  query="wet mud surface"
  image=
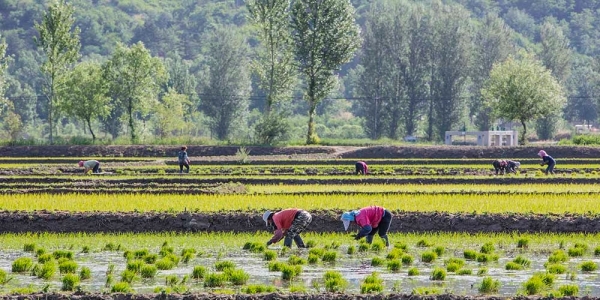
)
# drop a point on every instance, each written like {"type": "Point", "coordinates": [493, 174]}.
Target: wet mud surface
{"type": "Point", "coordinates": [323, 221]}
{"type": "Point", "coordinates": [271, 296]}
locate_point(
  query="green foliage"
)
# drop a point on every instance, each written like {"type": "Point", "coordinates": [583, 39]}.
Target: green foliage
{"type": "Point", "coordinates": [22, 264]}
{"type": "Point", "coordinates": [428, 256]}
{"type": "Point", "coordinates": [489, 286]}
{"type": "Point", "coordinates": [128, 276]}
{"type": "Point", "coordinates": [148, 271]}
{"type": "Point", "coordinates": [85, 273]}
{"type": "Point", "coordinates": [588, 266]}
{"type": "Point", "coordinates": [372, 284]}
{"type": "Point", "coordinates": [62, 254]}
{"type": "Point", "coordinates": [199, 272]}
{"type": "Point", "coordinates": [237, 276]}
{"type": "Point", "coordinates": [569, 290]}
{"type": "Point", "coordinates": [224, 264]}
{"type": "Point", "coordinates": [68, 267]}
{"type": "Point", "coordinates": [258, 288]}
{"type": "Point", "coordinates": [487, 248]}
{"type": "Point", "coordinates": [377, 261]}
{"type": "Point", "coordinates": [46, 270]}
{"type": "Point", "coordinates": [329, 256]}
{"type": "Point", "coordinates": [271, 255]}
{"type": "Point", "coordinates": [29, 247]}
{"type": "Point", "coordinates": [438, 274]}
{"type": "Point", "coordinates": [69, 282]}
{"type": "Point", "coordinates": [558, 256]}
{"type": "Point", "coordinates": [556, 269]}
{"type": "Point", "coordinates": [121, 287]}
{"type": "Point", "coordinates": [290, 272]}
{"type": "Point", "coordinates": [394, 265]}
{"type": "Point", "coordinates": [470, 254]}
{"type": "Point", "coordinates": [334, 282]}
{"type": "Point", "coordinates": [523, 243]}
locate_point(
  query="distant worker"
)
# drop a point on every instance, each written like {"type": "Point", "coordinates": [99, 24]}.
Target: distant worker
{"type": "Point", "coordinates": [547, 160]}
{"type": "Point", "coordinates": [512, 166]}
{"type": "Point", "coordinates": [184, 160]}
{"type": "Point", "coordinates": [88, 165]}
{"type": "Point", "coordinates": [371, 220]}
{"type": "Point", "coordinates": [500, 166]}
{"type": "Point", "coordinates": [288, 224]}
{"type": "Point", "coordinates": [361, 168]}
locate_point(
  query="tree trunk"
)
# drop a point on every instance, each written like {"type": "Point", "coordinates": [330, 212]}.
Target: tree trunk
{"type": "Point", "coordinates": [522, 138]}
{"type": "Point", "coordinates": [91, 131]}
{"type": "Point", "coordinates": [311, 137]}
{"type": "Point", "coordinates": [131, 123]}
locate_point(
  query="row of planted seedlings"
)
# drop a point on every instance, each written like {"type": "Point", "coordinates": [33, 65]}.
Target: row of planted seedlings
{"type": "Point", "coordinates": [423, 268]}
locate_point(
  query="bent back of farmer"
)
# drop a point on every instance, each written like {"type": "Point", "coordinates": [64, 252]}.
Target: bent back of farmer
{"type": "Point", "coordinates": [289, 223]}
{"type": "Point", "coordinates": [372, 220]}
{"type": "Point", "coordinates": [88, 165]}
{"type": "Point", "coordinates": [361, 168]}
{"type": "Point", "coordinates": [512, 166]}
{"type": "Point", "coordinates": [547, 160]}
{"type": "Point", "coordinates": [499, 166]}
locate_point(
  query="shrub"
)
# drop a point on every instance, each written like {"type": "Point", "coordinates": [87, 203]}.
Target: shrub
{"type": "Point", "coordinates": [487, 248]}
{"type": "Point", "coordinates": [296, 260]}
{"type": "Point", "coordinates": [199, 272]}
{"type": "Point", "coordinates": [69, 282]}
{"type": "Point", "coordinates": [372, 284]}
{"type": "Point", "coordinates": [269, 255]}
{"type": "Point", "coordinates": [588, 266]}
{"type": "Point", "coordinates": [428, 256]}
{"type": "Point", "coordinates": [438, 274]}
{"type": "Point", "coordinates": [224, 264]}
{"type": "Point", "coordinates": [413, 271]}
{"type": "Point", "coordinates": [258, 288]}
{"type": "Point", "coordinates": [215, 280]}
{"type": "Point", "coordinates": [556, 269]}
{"type": "Point", "coordinates": [334, 282]}
{"type": "Point", "coordinates": [237, 276]}
{"type": "Point", "coordinates": [121, 287]}
{"type": "Point", "coordinates": [489, 286]}
{"type": "Point", "coordinates": [85, 273]}
{"type": "Point", "coordinates": [148, 271]}
{"type": "Point", "coordinates": [377, 261]}
{"type": "Point", "coordinates": [329, 256]}
{"type": "Point", "coordinates": [470, 254]}
{"type": "Point", "coordinates": [22, 264]}
{"type": "Point", "coordinates": [394, 265]}
{"type": "Point", "coordinates": [569, 290]}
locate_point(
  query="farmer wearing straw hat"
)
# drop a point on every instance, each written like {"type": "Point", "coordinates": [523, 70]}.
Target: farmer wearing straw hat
{"type": "Point", "coordinates": [88, 165]}
{"type": "Point", "coordinates": [288, 223]}
{"type": "Point", "coordinates": [547, 160]}
{"type": "Point", "coordinates": [371, 220]}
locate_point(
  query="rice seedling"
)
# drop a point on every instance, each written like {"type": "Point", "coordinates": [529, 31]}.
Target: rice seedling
{"type": "Point", "coordinates": [377, 246]}
{"type": "Point", "coordinates": [148, 271]}
{"type": "Point", "coordinates": [513, 266]}
{"type": "Point", "coordinates": [334, 282]}
{"type": "Point", "coordinates": [394, 254]}
{"type": "Point", "coordinates": [363, 247]}
{"type": "Point", "coordinates": [297, 288]}
{"type": "Point", "coordinates": [198, 272]}
{"type": "Point", "coordinates": [424, 291]}
{"type": "Point", "coordinates": [470, 254]}
{"type": "Point", "coordinates": [556, 268]}
{"type": "Point", "coordinates": [224, 264]}
{"type": "Point", "coordinates": [439, 250]}
{"type": "Point", "coordinates": [523, 243]}
{"type": "Point", "coordinates": [296, 260]}
{"type": "Point", "coordinates": [558, 256]}
{"type": "Point", "coordinates": [62, 254]}
{"type": "Point", "coordinates": [69, 282]}
{"type": "Point", "coordinates": [351, 250]}
{"type": "Point", "coordinates": [171, 280]}
{"type": "Point", "coordinates": [413, 271]}
{"type": "Point", "coordinates": [310, 244]}
{"type": "Point", "coordinates": [569, 290]}
{"type": "Point", "coordinates": [428, 256]}
{"type": "Point", "coordinates": [237, 276]}
{"type": "Point", "coordinates": [140, 253]}
{"type": "Point", "coordinates": [424, 243]}
{"type": "Point", "coordinates": [290, 272]}
{"type": "Point", "coordinates": [372, 284]}
{"type": "Point", "coordinates": [394, 265]}
{"type": "Point", "coordinates": [121, 287]}
{"type": "Point", "coordinates": [313, 259]}
{"type": "Point", "coordinates": [537, 283]}
{"type": "Point", "coordinates": [254, 247]}
{"type": "Point", "coordinates": [212, 280]}
{"type": "Point", "coordinates": [276, 266]}
{"type": "Point", "coordinates": [526, 263]}
{"type": "Point", "coordinates": [29, 247]}
{"type": "Point", "coordinates": [377, 261]}
{"type": "Point", "coordinates": [258, 288]}
{"type": "Point", "coordinates": [45, 271]}
{"type": "Point", "coordinates": [487, 248]}
{"type": "Point", "coordinates": [67, 267]}
{"type": "Point", "coordinates": [407, 259]}
{"type": "Point", "coordinates": [85, 273]}
{"type": "Point", "coordinates": [150, 258]}
{"type": "Point", "coordinates": [489, 286]}
{"type": "Point", "coordinates": [317, 251]}
{"type": "Point", "coordinates": [438, 274]}
{"type": "Point", "coordinates": [588, 266]}
{"type": "Point", "coordinates": [482, 271]}
{"type": "Point", "coordinates": [45, 258]}
{"type": "Point", "coordinates": [597, 251]}
{"type": "Point", "coordinates": [464, 272]}
{"type": "Point", "coordinates": [329, 256]}
{"type": "Point", "coordinates": [85, 249]}
{"type": "Point", "coordinates": [22, 264]}
{"type": "Point", "coordinates": [128, 276]}
{"type": "Point", "coordinates": [270, 255]}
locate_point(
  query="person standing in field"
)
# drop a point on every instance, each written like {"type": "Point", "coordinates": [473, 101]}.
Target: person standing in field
{"type": "Point", "coordinates": [361, 168]}
{"type": "Point", "coordinates": [88, 165]}
{"type": "Point", "coordinates": [371, 220]}
{"type": "Point", "coordinates": [288, 224]}
{"type": "Point", "coordinates": [547, 160]}
{"type": "Point", "coordinates": [184, 160]}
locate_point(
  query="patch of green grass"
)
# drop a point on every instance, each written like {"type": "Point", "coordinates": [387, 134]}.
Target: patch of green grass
{"type": "Point", "coordinates": [22, 264]}
{"type": "Point", "coordinates": [334, 282]}
{"type": "Point", "coordinates": [489, 286]}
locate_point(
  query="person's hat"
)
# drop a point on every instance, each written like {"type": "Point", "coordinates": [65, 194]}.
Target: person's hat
{"type": "Point", "coordinates": [81, 163]}
{"type": "Point", "coordinates": [266, 217]}
{"type": "Point", "coordinates": [517, 164]}
{"type": "Point", "coordinates": [348, 217]}
{"type": "Point", "coordinates": [542, 153]}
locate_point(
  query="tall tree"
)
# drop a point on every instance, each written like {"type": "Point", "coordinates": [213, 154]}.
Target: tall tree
{"type": "Point", "coordinates": [326, 36]}
{"type": "Point", "coordinates": [522, 90]}
{"type": "Point", "coordinates": [12, 123]}
{"type": "Point", "coordinates": [225, 91]}
{"type": "Point", "coordinates": [59, 42]}
{"type": "Point", "coordinates": [584, 86]}
{"type": "Point", "coordinates": [134, 78]}
{"type": "Point", "coordinates": [85, 94]}
{"type": "Point", "coordinates": [275, 62]}
{"type": "Point", "coordinates": [451, 40]}
{"type": "Point", "coordinates": [492, 44]}
{"type": "Point", "coordinates": [169, 113]}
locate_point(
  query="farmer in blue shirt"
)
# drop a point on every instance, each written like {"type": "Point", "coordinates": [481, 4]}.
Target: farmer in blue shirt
{"type": "Point", "coordinates": [547, 160]}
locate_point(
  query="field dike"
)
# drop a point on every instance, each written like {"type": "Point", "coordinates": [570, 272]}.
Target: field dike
{"type": "Point", "coordinates": [323, 221]}
{"type": "Point", "coordinates": [271, 296]}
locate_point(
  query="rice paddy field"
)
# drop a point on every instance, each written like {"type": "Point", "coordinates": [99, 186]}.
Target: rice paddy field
{"type": "Point", "coordinates": [141, 227]}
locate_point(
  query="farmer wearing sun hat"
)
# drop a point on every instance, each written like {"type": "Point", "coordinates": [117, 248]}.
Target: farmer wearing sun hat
{"type": "Point", "coordinates": [88, 165]}
{"type": "Point", "coordinates": [288, 223]}
{"type": "Point", "coordinates": [371, 220]}
{"type": "Point", "coordinates": [547, 160]}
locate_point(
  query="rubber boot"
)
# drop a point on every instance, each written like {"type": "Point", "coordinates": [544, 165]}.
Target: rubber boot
{"type": "Point", "coordinates": [369, 239]}
{"type": "Point", "coordinates": [287, 242]}
{"type": "Point", "coordinates": [387, 241]}
{"type": "Point", "coordinates": [299, 242]}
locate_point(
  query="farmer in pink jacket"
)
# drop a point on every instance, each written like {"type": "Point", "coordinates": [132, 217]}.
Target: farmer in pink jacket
{"type": "Point", "coordinates": [361, 168]}
{"type": "Point", "coordinates": [371, 220]}
{"type": "Point", "coordinates": [289, 223]}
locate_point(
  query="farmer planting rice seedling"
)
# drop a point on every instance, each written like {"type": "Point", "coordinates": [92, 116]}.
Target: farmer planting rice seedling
{"type": "Point", "coordinates": [88, 165]}
{"type": "Point", "coordinates": [547, 160]}
{"type": "Point", "coordinates": [288, 224]}
{"type": "Point", "coordinates": [371, 220]}
{"type": "Point", "coordinates": [361, 168]}
{"type": "Point", "coordinates": [505, 166]}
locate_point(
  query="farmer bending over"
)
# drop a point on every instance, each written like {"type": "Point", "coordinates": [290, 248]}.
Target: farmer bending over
{"type": "Point", "coordinates": [371, 220]}
{"type": "Point", "coordinates": [547, 160]}
{"type": "Point", "coordinates": [88, 165]}
{"type": "Point", "coordinates": [289, 223]}
{"type": "Point", "coordinates": [512, 166]}
{"type": "Point", "coordinates": [500, 166]}
{"type": "Point", "coordinates": [361, 168]}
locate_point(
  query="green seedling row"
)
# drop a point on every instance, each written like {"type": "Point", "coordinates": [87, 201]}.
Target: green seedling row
{"type": "Point", "coordinates": [489, 203]}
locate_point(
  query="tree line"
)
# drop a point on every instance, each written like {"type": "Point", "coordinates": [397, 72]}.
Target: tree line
{"type": "Point", "coordinates": [257, 70]}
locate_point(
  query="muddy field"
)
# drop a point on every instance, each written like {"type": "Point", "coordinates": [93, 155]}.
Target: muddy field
{"type": "Point", "coordinates": [323, 221]}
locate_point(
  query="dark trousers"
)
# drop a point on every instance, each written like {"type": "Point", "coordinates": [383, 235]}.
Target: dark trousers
{"type": "Point", "coordinates": [382, 229]}
{"type": "Point", "coordinates": [550, 168]}
{"type": "Point", "coordinates": [96, 168]}
{"type": "Point", "coordinates": [187, 167]}
{"type": "Point", "coordinates": [359, 169]}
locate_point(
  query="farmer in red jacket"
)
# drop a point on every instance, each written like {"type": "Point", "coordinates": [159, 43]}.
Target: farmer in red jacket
{"type": "Point", "coordinates": [371, 220]}
{"type": "Point", "coordinates": [289, 223]}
